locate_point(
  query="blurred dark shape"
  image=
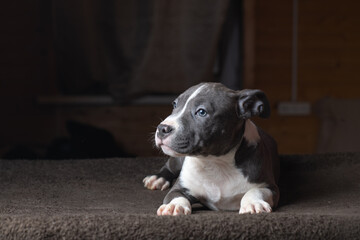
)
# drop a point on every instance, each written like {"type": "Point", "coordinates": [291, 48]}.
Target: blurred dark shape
{"type": "Point", "coordinates": [21, 152]}
{"type": "Point", "coordinates": [229, 66]}
{"type": "Point", "coordinates": [85, 141]}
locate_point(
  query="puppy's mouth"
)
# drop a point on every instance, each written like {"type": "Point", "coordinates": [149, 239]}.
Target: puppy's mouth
{"type": "Point", "coordinates": [167, 149]}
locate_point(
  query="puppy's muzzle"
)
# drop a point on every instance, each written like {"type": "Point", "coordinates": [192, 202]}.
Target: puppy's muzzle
{"type": "Point", "coordinates": [164, 131]}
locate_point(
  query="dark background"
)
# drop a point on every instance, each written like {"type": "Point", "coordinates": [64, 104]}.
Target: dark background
{"type": "Point", "coordinates": [72, 72]}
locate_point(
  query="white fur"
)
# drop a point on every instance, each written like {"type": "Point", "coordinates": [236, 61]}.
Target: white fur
{"type": "Point", "coordinates": [216, 180]}
{"type": "Point", "coordinates": [173, 120]}
{"type": "Point", "coordinates": [177, 206]}
{"type": "Point", "coordinates": [257, 200]}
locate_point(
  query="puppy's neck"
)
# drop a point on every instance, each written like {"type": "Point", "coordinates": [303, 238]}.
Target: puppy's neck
{"type": "Point", "coordinates": [227, 159]}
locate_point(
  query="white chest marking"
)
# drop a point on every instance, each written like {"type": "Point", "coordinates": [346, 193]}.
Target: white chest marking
{"type": "Point", "coordinates": [215, 181]}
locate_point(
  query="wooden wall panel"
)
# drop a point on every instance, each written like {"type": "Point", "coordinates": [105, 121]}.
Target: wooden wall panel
{"type": "Point", "coordinates": [328, 62]}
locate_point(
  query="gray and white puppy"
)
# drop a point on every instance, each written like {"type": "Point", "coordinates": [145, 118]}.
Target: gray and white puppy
{"type": "Point", "coordinates": [219, 157]}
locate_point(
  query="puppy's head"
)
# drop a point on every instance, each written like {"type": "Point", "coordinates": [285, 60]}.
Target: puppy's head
{"type": "Point", "coordinates": [208, 119]}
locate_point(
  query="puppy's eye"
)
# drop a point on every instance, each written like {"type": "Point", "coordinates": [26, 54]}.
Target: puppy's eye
{"type": "Point", "coordinates": [201, 112]}
{"type": "Point", "coordinates": [174, 103]}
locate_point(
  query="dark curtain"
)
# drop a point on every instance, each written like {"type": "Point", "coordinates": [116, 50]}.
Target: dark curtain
{"type": "Point", "coordinates": [134, 47]}
{"type": "Point", "coordinates": [229, 64]}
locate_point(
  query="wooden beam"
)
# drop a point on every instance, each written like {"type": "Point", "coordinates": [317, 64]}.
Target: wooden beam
{"type": "Point", "coordinates": [249, 43]}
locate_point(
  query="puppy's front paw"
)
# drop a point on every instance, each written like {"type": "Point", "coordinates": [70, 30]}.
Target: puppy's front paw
{"type": "Point", "coordinates": [259, 206]}
{"type": "Point", "coordinates": [173, 210]}
{"type": "Point", "coordinates": [154, 183]}
{"type": "Point", "coordinates": [177, 206]}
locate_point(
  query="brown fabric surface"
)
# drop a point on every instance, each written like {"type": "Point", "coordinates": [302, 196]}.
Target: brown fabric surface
{"type": "Point", "coordinates": [105, 199]}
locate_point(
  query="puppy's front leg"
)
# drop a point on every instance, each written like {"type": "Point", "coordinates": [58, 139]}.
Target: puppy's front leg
{"type": "Point", "coordinates": [165, 177]}
{"type": "Point", "coordinates": [177, 202]}
{"type": "Point", "coordinates": [257, 200]}
{"type": "Point", "coordinates": [155, 182]}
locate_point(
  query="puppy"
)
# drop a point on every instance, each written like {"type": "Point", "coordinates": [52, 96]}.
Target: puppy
{"type": "Point", "coordinates": [218, 156]}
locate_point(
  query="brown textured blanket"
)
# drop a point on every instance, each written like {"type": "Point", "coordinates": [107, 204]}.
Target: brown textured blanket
{"type": "Point", "coordinates": [105, 199]}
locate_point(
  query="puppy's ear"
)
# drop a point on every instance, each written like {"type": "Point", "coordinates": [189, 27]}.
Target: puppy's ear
{"type": "Point", "coordinates": [252, 103]}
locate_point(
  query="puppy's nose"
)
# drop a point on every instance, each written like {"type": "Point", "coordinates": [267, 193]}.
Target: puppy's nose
{"type": "Point", "coordinates": [164, 130]}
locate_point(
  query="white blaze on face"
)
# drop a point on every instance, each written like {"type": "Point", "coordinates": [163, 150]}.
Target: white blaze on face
{"type": "Point", "coordinates": [173, 120]}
